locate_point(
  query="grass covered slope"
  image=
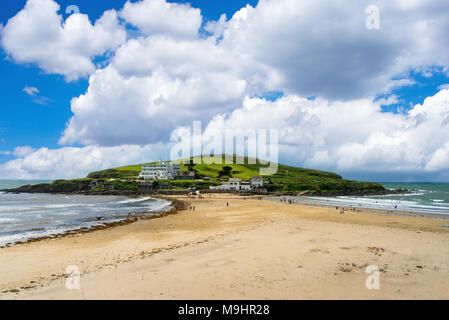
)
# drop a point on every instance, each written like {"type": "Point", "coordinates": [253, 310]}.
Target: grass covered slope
{"type": "Point", "coordinates": [287, 178]}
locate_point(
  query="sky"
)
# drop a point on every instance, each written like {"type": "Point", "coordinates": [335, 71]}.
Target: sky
{"type": "Point", "coordinates": [87, 85]}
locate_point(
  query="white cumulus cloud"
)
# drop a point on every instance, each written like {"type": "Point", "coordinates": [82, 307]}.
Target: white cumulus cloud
{"type": "Point", "coordinates": [160, 17]}
{"type": "Point", "coordinates": [323, 48]}
{"type": "Point", "coordinates": [69, 162]}
{"type": "Point", "coordinates": [23, 151]}
{"type": "Point", "coordinates": [155, 84]}
{"type": "Point", "coordinates": [351, 136]}
{"type": "Point", "coordinates": [39, 35]}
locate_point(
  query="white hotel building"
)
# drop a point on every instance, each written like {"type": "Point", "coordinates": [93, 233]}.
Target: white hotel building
{"type": "Point", "coordinates": [160, 171]}
{"type": "Point", "coordinates": [235, 184]}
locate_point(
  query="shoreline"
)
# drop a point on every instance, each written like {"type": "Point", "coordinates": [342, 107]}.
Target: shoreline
{"type": "Point", "coordinates": [179, 205]}
{"type": "Point", "coordinates": [208, 191]}
{"type": "Point", "coordinates": [176, 205]}
{"type": "Point", "coordinates": [399, 213]}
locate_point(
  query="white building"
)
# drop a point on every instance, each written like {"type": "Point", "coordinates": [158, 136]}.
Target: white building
{"type": "Point", "coordinates": [245, 186]}
{"type": "Point", "coordinates": [256, 182]}
{"type": "Point", "coordinates": [234, 184]}
{"type": "Point", "coordinates": [160, 171]}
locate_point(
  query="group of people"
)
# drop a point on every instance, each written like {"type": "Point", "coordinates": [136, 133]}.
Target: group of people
{"type": "Point", "coordinates": [197, 196]}
{"type": "Point", "coordinates": [342, 209]}
{"type": "Point", "coordinates": [289, 201]}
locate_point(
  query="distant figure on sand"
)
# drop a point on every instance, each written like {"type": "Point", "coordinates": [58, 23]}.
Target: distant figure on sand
{"type": "Point", "coordinates": [227, 204]}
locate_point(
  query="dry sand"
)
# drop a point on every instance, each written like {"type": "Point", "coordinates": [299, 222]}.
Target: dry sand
{"type": "Point", "coordinates": [255, 249]}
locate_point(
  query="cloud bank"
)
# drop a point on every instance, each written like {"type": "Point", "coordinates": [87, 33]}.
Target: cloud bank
{"type": "Point", "coordinates": [320, 54]}
{"type": "Point", "coordinates": [71, 162]}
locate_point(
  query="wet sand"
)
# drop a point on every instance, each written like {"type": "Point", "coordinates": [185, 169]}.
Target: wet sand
{"type": "Point", "coordinates": [253, 249]}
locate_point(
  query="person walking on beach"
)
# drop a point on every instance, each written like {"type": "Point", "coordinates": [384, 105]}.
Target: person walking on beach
{"type": "Point", "coordinates": [227, 204]}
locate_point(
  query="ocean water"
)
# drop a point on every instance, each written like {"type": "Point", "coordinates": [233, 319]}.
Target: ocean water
{"type": "Point", "coordinates": [9, 184]}
{"type": "Point", "coordinates": [26, 216]}
{"type": "Point", "coordinates": [425, 198]}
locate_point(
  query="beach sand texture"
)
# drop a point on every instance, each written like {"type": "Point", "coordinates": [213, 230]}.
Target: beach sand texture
{"type": "Point", "coordinates": [253, 249]}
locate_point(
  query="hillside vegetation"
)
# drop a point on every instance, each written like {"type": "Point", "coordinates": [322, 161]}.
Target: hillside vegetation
{"type": "Point", "coordinates": [287, 178]}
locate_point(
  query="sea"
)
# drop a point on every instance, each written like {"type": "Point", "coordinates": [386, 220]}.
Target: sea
{"type": "Point", "coordinates": [424, 198]}
{"type": "Point", "coordinates": [27, 216]}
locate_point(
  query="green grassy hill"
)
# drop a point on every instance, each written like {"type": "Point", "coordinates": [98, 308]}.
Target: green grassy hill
{"type": "Point", "coordinates": [287, 178]}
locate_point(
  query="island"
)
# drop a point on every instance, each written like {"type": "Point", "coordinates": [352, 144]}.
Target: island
{"type": "Point", "coordinates": [187, 175]}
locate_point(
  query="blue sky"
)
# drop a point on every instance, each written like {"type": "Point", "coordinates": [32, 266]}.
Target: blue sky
{"type": "Point", "coordinates": [423, 86]}
{"type": "Point", "coordinates": [167, 71]}
{"type": "Point", "coordinates": [25, 122]}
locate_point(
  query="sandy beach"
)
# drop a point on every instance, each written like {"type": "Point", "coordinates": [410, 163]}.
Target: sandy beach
{"type": "Point", "coordinates": [253, 249]}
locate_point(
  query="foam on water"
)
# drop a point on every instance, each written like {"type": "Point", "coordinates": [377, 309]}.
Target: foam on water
{"type": "Point", "coordinates": [425, 198]}
{"type": "Point", "coordinates": [135, 200]}
{"type": "Point", "coordinates": [27, 216]}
